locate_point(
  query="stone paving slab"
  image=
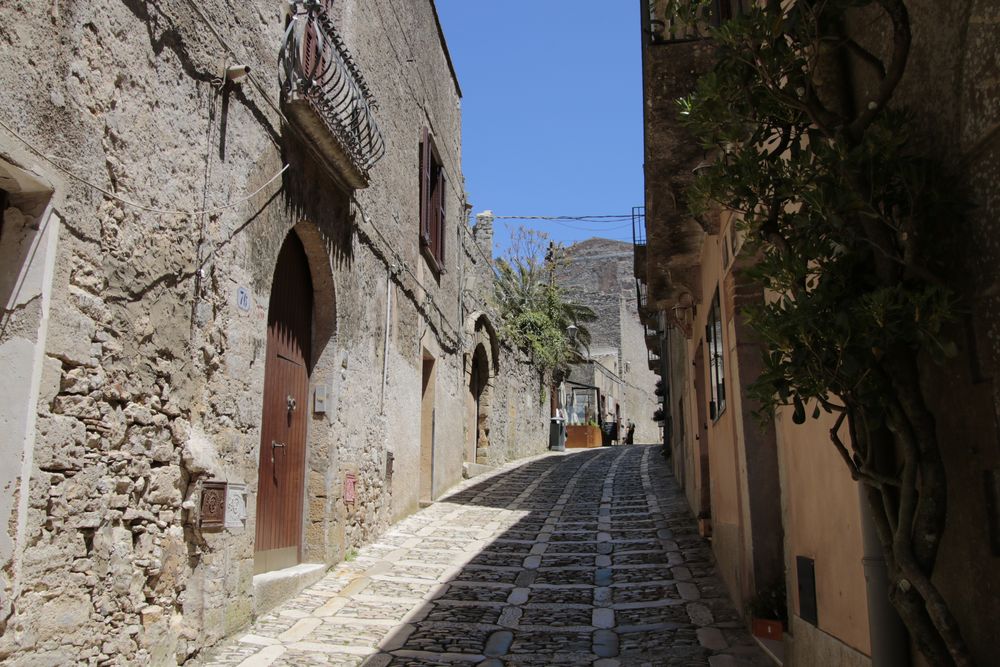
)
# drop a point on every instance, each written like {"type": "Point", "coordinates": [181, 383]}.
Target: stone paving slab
{"type": "Point", "coordinates": [588, 558]}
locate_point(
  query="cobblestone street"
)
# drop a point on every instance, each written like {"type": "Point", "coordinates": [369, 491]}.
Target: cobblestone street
{"type": "Point", "coordinates": [585, 558]}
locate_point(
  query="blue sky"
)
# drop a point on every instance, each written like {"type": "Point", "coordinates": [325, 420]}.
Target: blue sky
{"type": "Point", "coordinates": [552, 109]}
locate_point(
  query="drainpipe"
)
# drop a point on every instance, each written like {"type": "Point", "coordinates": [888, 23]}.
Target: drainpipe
{"type": "Point", "coordinates": [889, 639]}
{"type": "Point", "coordinates": [388, 322]}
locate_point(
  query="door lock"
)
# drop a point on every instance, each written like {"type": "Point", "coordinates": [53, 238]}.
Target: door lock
{"type": "Point", "coordinates": [292, 404]}
{"type": "Point", "coordinates": [275, 445]}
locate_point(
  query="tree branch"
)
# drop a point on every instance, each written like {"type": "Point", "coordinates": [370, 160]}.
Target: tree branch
{"type": "Point", "coordinates": [841, 449]}
{"type": "Point", "coordinates": [866, 57]}
{"type": "Point", "coordinates": [901, 38]}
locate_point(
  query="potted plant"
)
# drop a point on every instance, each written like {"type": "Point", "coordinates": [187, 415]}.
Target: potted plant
{"type": "Point", "coordinates": [768, 612]}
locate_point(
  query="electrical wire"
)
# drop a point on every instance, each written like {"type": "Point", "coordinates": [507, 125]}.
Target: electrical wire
{"type": "Point", "coordinates": [578, 228]}
{"type": "Point", "coordinates": [52, 159]}
{"type": "Point", "coordinates": [585, 218]}
{"type": "Point", "coordinates": [388, 251]}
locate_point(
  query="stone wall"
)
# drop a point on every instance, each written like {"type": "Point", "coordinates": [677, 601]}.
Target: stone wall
{"type": "Point", "coordinates": [149, 370]}
{"type": "Point", "coordinates": [952, 87]}
{"type": "Point", "coordinates": [520, 416]}
{"type": "Point", "coordinates": [518, 395]}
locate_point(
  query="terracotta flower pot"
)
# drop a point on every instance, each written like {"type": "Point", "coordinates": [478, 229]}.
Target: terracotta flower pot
{"type": "Point", "coordinates": [766, 628]}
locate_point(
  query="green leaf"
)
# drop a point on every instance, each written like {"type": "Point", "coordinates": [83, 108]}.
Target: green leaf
{"type": "Point", "coordinates": [799, 413]}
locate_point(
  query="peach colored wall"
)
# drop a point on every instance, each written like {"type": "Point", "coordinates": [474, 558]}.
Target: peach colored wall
{"type": "Point", "coordinates": [689, 462]}
{"type": "Point", "coordinates": [822, 522]}
{"type": "Point", "coordinates": [726, 481]}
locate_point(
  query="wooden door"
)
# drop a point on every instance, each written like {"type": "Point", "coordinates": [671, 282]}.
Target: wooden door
{"type": "Point", "coordinates": [702, 455]}
{"type": "Point", "coordinates": [427, 417]}
{"type": "Point", "coordinates": [281, 476]}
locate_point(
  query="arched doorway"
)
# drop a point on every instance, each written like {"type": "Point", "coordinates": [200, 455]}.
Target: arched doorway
{"type": "Point", "coordinates": [281, 472]}
{"type": "Point", "coordinates": [479, 387]}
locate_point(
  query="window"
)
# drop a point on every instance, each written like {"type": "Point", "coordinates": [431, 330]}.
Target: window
{"type": "Point", "coordinates": [716, 380]}
{"type": "Point", "coordinates": [432, 203]}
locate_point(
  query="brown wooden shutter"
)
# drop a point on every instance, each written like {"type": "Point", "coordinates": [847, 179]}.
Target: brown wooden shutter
{"type": "Point", "coordinates": [310, 59]}
{"type": "Point", "coordinates": [426, 161]}
{"type": "Point", "coordinates": [439, 210]}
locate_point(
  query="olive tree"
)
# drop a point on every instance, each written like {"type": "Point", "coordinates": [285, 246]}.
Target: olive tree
{"type": "Point", "coordinates": [849, 222]}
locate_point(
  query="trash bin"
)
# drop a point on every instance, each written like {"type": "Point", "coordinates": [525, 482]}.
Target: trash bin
{"type": "Point", "coordinates": [557, 435]}
{"type": "Point", "coordinates": [607, 431]}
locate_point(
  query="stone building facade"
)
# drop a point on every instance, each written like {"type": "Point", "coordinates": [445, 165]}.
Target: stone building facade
{"type": "Point", "coordinates": [599, 274]}
{"type": "Point", "coordinates": [730, 463]}
{"type": "Point", "coordinates": [223, 272]}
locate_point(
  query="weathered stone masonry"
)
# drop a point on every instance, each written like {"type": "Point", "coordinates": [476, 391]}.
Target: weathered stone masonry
{"type": "Point", "coordinates": [135, 320]}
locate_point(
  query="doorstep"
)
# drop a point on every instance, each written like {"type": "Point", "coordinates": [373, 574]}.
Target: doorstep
{"type": "Point", "coordinates": [272, 588]}
{"type": "Point", "coordinates": [774, 649]}
{"type": "Point", "coordinates": [470, 470]}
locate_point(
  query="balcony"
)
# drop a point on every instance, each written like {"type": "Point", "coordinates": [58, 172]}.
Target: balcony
{"type": "Point", "coordinates": [647, 315]}
{"type": "Point", "coordinates": [639, 241]}
{"type": "Point", "coordinates": [653, 361]}
{"type": "Point", "coordinates": [325, 94]}
{"type": "Point", "coordinates": [652, 339]}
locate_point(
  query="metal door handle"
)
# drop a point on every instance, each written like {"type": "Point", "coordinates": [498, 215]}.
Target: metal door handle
{"type": "Point", "coordinates": [274, 445]}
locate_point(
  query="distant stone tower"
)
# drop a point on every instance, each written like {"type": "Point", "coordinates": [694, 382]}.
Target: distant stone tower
{"type": "Point", "coordinates": [599, 275]}
{"type": "Point", "coordinates": [483, 232]}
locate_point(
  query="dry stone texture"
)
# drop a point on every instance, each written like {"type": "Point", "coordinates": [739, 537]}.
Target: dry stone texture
{"type": "Point", "coordinates": [135, 372]}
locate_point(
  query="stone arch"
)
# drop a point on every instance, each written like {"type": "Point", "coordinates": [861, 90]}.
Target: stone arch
{"type": "Point", "coordinates": [319, 252]}
{"type": "Point", "coordinates": [481, 391]}
{"type": "Point", "coordinates": [284, 428]}
{"type": "Point", "coordinates": [482, 368]}
{"type": "Point", "coordinates": [319, 540]}
{"type": "Point", "coordinates": [479, 328]}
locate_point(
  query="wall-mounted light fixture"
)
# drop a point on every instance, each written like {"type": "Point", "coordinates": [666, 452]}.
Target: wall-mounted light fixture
{"type": "Point", "coordinates": [236, 73]}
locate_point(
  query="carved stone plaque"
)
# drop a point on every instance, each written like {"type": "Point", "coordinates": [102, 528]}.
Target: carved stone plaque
{"type": "Point", "coordinates": [213, 504]}
{"type": "Point", "coordinates": [236, 506]}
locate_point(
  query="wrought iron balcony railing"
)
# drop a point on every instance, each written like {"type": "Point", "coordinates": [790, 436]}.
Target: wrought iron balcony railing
{"type": "Point", "coordinates": [639, 225]}
{"type": "Point", "coordinates": [639, 243]}
{"type": "Point", "coordinates": [325, 92]}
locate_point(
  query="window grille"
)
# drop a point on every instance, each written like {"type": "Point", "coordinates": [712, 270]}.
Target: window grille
{"type": "Point", "coordinates": [716, 370]}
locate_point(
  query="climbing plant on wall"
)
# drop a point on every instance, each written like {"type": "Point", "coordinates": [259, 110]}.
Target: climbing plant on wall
{"type": "Point", "coordinates": [849, 222]}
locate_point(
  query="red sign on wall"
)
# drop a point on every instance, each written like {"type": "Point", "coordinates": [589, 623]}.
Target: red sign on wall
{"type": "Point", "coordinates": [350, 488]}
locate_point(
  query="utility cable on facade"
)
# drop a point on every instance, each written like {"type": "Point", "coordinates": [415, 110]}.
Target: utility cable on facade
{"type": "Point", "coordinates": [54, 161]}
